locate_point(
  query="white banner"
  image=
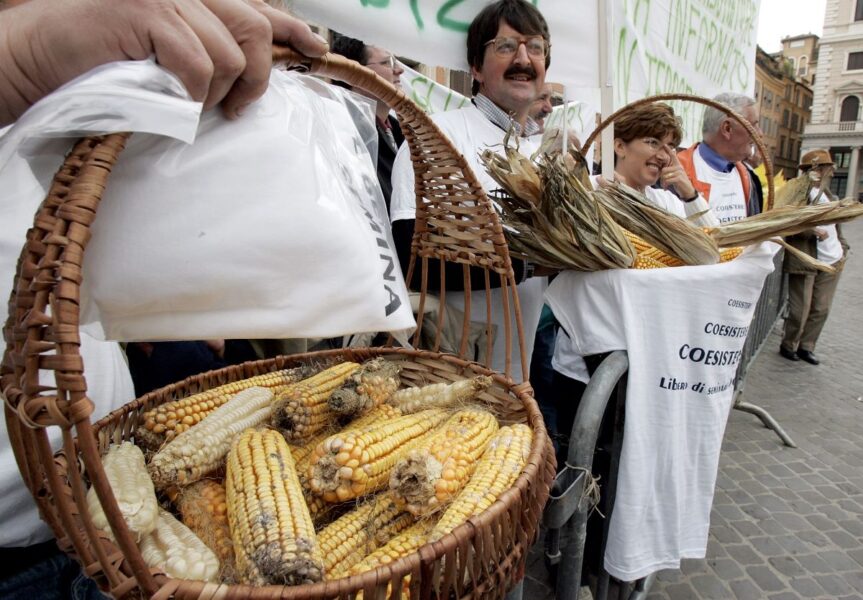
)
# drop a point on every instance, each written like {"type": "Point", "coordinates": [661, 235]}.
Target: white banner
{"type": "Point", "coordinates": [431, 96]}
{"type": "Point", "coordinates": [700, 47]}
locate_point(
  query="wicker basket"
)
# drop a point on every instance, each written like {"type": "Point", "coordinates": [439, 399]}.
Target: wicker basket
{"type": "Point", "coordinates": [455, 221]}
{"type": "Point", "coordinates": [756, 137]}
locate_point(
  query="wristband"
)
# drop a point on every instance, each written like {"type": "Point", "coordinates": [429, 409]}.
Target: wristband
{"type": "Point", "coordinates": [693, 199]}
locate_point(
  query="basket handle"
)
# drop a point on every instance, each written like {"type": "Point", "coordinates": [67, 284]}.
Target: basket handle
{"type": "Point", "coordinates": [756, 137]}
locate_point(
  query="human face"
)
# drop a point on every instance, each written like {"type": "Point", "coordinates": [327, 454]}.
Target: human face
{"type": "Point", "coordinates": [740, 144]}
{"type": "Point", "coordinates": [384, 64]}
{"type": "Point", "coordinates": [640, 161]}
{"type": "Point", "coordinates": [511, 82]}
{"type": "Point", "coordinates": [541, 107]}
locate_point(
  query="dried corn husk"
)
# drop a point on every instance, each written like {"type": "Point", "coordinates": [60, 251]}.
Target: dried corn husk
{"type": "Point", "coordinates": [667, 232]}
{"type": "Point", "coordinates": [782, 222]}
{"type": "Point", "coordinates": [556, 223]}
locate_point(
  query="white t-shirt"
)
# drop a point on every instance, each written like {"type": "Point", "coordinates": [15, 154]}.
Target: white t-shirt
{"type": "Point", "coordinates": [471, 133]}
{"type": "Point", "coordinates": [109, 384]}
{"type": "Point", "coordinates": [829, 250]}
{"type": "Point", "coordinates": [726, 191]}
{"type": "Point", "coordinates": [565, 360]}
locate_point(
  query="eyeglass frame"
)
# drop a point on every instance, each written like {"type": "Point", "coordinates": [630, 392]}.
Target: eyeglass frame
{"type": "Point", "coordinates": [521, 40]}
{"type": "Point", "coordinates": [390, 62]}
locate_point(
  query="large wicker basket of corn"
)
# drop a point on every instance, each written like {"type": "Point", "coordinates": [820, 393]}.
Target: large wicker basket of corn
{"type": "Point", "coordinates": [481, 558]}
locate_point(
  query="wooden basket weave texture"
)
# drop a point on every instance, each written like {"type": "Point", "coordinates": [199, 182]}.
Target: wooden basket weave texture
{"type": "Point", "coordinates": [479, 559]}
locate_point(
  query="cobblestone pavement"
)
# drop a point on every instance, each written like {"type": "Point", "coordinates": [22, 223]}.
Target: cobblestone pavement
{"type": "Point", "coordinates": [787, 523]}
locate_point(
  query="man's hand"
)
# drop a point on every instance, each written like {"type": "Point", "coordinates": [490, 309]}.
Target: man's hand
{"type": "Point", "coordinates": [220, 49]}
{"type": "Point", "coordinates": [820, 233]}
{"type": "Point", "coordinates": [674, 176]}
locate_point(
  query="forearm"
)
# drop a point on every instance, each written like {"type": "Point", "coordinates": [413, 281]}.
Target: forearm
{"type": "Point", "coordinates": [699, 205]}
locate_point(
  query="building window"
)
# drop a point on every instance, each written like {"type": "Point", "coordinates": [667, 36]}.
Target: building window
{"type": "Point", "coordinates": [802, 66]}
{"type": "Point", "coordinates": [794, 122]}
{"type": "Point", "coordinates": [850, 108]}
{"type": "Point", "coordinates": [785, 118]}
{"type": "Point", "coordinates": [858, 11]}
{"type": "Point", "coordinates": [842, 158]}
{"type": "Point", "coordinates": [757, 89]}
{"type": "Point", "coordinates": [839, 185]}
{"type": "Point", "coordinates": [782, 147]}
{"type": "Point", "coordinates": [855, 61]}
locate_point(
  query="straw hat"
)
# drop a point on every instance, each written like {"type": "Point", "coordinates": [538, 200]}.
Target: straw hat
{"type": "Point", "coordinates": [816, 158]}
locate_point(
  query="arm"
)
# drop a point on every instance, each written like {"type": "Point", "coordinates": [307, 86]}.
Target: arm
{"type": "Point", "coordinates": [674, 178]}
{"type": "Point", "coordinates": [220, 49]}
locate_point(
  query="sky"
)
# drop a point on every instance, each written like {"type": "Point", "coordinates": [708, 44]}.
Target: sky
{"type": "Point", "coordinates": [782, 18]}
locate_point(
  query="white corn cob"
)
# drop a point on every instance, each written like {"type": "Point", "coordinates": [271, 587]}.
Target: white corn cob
{"type": "Point", "coordinates": [173, 548]}
{"type": "Point", "coordinates": [439, 395]}
{"type": "Point", "coordinates": [198, 451]}
{"type": "Point", "coordinates": [133, 490]}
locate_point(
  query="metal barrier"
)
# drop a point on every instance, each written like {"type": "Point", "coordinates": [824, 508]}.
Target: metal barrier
{"type": "Point", "coordinates": [770, 307]}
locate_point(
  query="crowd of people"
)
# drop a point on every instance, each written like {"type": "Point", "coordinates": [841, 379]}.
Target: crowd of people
{"type": "Point", "coordinates": [221, 51]}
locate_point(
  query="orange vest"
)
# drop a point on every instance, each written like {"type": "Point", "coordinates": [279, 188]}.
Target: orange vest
{"type": "Point", "coordinates": [686, 158]}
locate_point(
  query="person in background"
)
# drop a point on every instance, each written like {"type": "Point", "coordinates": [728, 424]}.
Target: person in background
{"type": "Point", "coordinates": [222, 51]}
{"type": "Point", "coordinates": [752, 162]}
{"type": "Point", "coordinates": [508, 50]}
{"type": "Point", "coordinates": [543, 105]}
{"type": "Point", "coordinates": [390, 135]}
{"type": "Point", "coordinates": [715, 165]}
{"type": "Point", "coordinates": [810, 292]}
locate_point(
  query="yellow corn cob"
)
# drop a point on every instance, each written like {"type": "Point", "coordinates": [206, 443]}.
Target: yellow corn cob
{"type": "Point", "coordinates": [302, 456]}
{"type": "Point", "coordinates": [301, 410]}
{"type": "Point", "coordinates": [665, 259]}
{"type": "Point", "coordinates": [433, 472]}
{"type": "Point", "coordinates": [373, 384]}
{"type": "Point", "coordinates": [407, 542]}
{"type": "Point", "coordinates": [357, 462]}
{"type": "Point", "coordinates": [353, 536]}
{"type": "Point", "coordinates": [497, 470]}
{"type": "Point", "coordinates": [439, 395]}
{"type": "Point", "coordinates": [644, 249]}
{"type": "Point", "coordinates": [173, 548]}
{"type": "Point", "coordinates": [164, 422]}
{"type": "Point", "coordinates": [274, 538]}
{"type": "Point", "coordinates": [642, 261]}
{"type": "Point", "coordinates": [727, 254]}
{"type": "Point", "coordinates": [379, 414]}
{"type": "Point", "coordinates": [639, 243]}
{"type": "Point", "coordinates": [133, 490]}
{"type": "Point", "coordinates": [203, 508]}
{"type": "Point", "coordinates": [195, 453]}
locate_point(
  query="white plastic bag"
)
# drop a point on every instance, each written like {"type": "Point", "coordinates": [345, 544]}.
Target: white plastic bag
{"type": "Point", "coordinates": [272, 225]}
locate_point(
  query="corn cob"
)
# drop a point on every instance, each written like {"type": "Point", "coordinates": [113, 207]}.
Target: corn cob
{"type": "Point", "coordinates": [203, 508]}
{"type": "Point", "coordinates": [274, 538]}
{"type": "Point", "coordinates": [357, 462]}
{"type": "Point", "coordinates": [727, 254]}
{"type": "Point", "coordinates": [372, 385]}
{"type": "Point", "coordinates": [173, 548]}
{"type": "Point", "coordinates": [301, 410]}
{"type": "Point", "coordinates": [353, 536]}
{"type": "Point", "coordinates": [439, 395]}
{"type": "Point", "coordinates": [302, 456]}
{"type": "Point", "coordinates": [644, 249]}
{"type": "Point", "coordinates": [644, 262]}
{"type": "Point", "coordinates": [164, 422]}
{"type": "Point", "coordinates": [407, 542]}
{"type": "Point", "coordinates": [195, 453]}
{"type": "Point", "coordinates": [379, 414]}
{"type": "Point", "coordinates": [433, 472]}
{"type": "Point", "coordinates": [133, 490]}
{"type": "Point", "coordinates": [499, 467]}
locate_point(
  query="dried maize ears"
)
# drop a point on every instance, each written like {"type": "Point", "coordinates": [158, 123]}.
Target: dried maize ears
{"type": "Point", "coordinates": [728, 254]}
{"type": "Point", "coordinates": [439, 395]}
{"type": "Point", "coordinates": [379, 414]}
{"type": "Point", "coordinates": [497, 470]}
{"type": "Point", "coordinates": [127, 474]}
{"type": "Point", "coordinates": [355, 535]}
{"type": "Point", "coordinates": [301, 410]}
{"type": "Point", "coordinates": [372, 385]}
{"type": "Point", "coordinates": [173, 548]}
{"type": "Point", "coordinates": [166, 421]}
{"type": "Point", "coordinates": [433, 472]}
{"type": "Point", "coordinates": [274, 538]}
{"type": "Point", "coordinates": [203, 508]}
{"type": "Point", "coordinates": [357, 462]}
{"type": "Point", "coordinates": [195, 453]}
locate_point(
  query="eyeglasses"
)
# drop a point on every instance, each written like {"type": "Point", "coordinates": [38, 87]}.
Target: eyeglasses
{"type": "Point", "coordinates": [506, 46]}
{"type": "Point", "coordinates": [656, 145]}
{"type": "Point", "coordinates": [389, 61]}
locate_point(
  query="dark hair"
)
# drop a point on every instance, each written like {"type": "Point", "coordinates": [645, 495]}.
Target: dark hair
{"type": "Point", "coordinates": [351, 48]}
{"type": "Point", "coordinates": [519, 14]}
{"type": "Point", "coordinates": [649, 120]}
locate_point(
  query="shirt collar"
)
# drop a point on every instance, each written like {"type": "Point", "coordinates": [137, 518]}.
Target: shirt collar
{"type": "Point", "coordinates": [499, 117]}
{"type": "Point", "coordinates": [713, 159]}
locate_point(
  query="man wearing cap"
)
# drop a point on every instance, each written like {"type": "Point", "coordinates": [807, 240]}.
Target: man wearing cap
{"type": "Point", "coordinates": [810, 292]}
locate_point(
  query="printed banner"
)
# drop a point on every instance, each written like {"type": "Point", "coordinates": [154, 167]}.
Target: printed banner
{"type": "Point", "coordinates": [700, 47]}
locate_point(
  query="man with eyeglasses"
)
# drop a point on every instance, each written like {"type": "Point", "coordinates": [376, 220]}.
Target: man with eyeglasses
{"type": "Point", "coordinates": [508, 53]}
{"type": "Point", "coordinates": [715, 166]}
{"type": "Point", "coordinates": [390, 135]}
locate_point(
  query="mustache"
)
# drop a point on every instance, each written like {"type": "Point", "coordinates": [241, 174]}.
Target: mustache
{"type": "Point", "coordinates": [520, 70]}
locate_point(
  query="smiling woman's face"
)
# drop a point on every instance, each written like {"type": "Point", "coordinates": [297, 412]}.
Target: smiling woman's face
{"type": "Point", "coordinates": [640, 161]}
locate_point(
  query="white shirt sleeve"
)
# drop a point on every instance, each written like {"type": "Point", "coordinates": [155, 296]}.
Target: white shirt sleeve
{"type": "Point", "coordinates": [699, 205]}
